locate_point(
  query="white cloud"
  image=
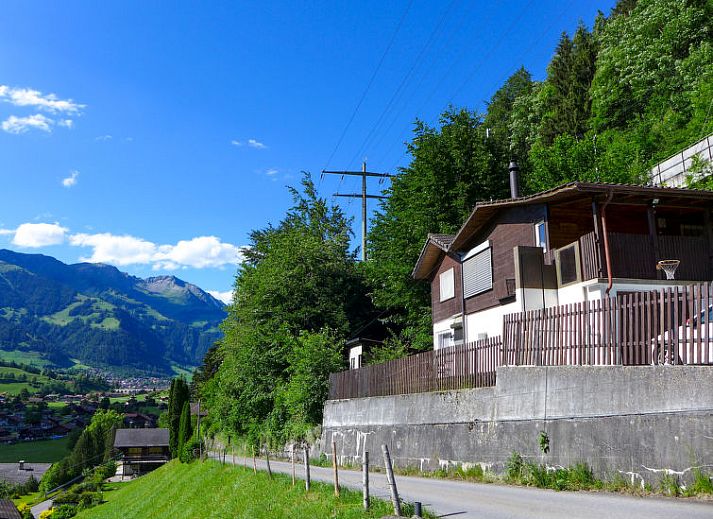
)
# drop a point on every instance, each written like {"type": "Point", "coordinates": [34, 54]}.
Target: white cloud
{"type": "Point", "coordinates": [71, 179]}
{"type": "Point", "coordinates": [67, 123]}
{"type": "Point", "coordinates": [200, 252]}
{"type": "Point", "coordinates": [253, 143]}
{"type": "Point", "coordinates": [104, 138]}
{"type": "Point", "coordinates": [30, 97]}
{"type": "Point", "coordinates": [272, 172]}
{"type": "Point", "coordinates": [225, 297]}
{"type": "Point", "coordinates": [116, 250]}
{"type": "Point", "coordinates": [18, 125]}
{"type": "Point", "coordinates": [38, 234]}
{"type": "Point", "coordinates": [6, 232]}
{"type": "Point", "coordinates": [256, 144]}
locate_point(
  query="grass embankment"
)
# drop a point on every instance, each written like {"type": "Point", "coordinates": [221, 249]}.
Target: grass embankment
{"type": "Point", "coordinates": [209, 489]}
{"type": "Point", "coordinates": [40, 451]}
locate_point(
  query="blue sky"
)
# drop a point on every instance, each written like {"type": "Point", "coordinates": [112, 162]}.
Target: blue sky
{"type": "Point", "coordinates": [155, 135]}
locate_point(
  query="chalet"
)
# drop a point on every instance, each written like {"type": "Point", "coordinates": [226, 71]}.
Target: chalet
{"type": "Point", "coordinates": [143, 450]}
{"type": "Point", "coordinates": [577, 242]}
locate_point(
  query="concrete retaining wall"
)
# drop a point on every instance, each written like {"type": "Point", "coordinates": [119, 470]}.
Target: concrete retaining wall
{"type": "Point", "coordinates": [639, 421]}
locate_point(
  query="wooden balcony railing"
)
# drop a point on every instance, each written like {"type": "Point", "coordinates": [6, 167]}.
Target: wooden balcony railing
{"type": "Point", "coordinates": [634, 256]}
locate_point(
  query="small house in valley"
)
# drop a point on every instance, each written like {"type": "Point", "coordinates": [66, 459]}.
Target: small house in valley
{"type": "Point", "coordinates": [21, 472]}
{"type": "Point", "coordinates": [577, 242]}
{"type": "Point", "coordinates": [142, 450]}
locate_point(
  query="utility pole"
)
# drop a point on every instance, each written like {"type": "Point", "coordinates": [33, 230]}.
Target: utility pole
{"type": "Point", "coordinates": [363, 174]}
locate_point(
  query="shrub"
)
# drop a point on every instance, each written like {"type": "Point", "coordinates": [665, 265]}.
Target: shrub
{"type": "Point", "coordinates": [701, 484]}
{"type": "Point", "coordinates": [64, 512]}
{"type": "Point", "coordinates": [669, 485]}
{"type": "Point", "coordinates": [514, 467]}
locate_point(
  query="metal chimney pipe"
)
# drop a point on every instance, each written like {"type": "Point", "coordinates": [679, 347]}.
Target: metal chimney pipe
{"type": "Point", "coordinates": [514, 179]}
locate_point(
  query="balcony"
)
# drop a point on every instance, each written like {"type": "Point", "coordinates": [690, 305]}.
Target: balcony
{"type": "Point", "coordinates": [634, 256]}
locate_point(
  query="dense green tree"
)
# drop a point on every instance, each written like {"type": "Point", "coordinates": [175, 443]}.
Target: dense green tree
{"type": "Point", "coordinates": [298, 277]}
{"type": "Point", "coordinates": [452, 168]}
{"type": "Point", "coordinates": [501, 142]}
{"type": "Point", "coordinates": [179, 395]}
{"type": "Point", "coordinates": [185, 429]}
{"type": "Point", "coordinates": [653, 76]}
{"type": "Point", "coordinates": [565, 92]}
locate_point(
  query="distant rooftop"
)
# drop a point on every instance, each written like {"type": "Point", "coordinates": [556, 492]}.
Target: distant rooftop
{"type": "Point", "coordinates": [11, 472]}
{"type": "Point", "coordinates": [141, 438]}
{"type": "Point", "coordinates": [8, 510]}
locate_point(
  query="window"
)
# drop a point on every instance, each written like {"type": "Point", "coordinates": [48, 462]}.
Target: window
{"type": "Point", "coordinates": [447, 284]}
{"type": "Point", "coordinates": [478, 271]}
{"type": "Point", "coordinates": [155, 450]}
{"type": "Point", "coordinates": [541, 236]}
{"type": "Point", "coordinates": [445, 339]}
{"type": "Point", "coordinates": [568, 270]}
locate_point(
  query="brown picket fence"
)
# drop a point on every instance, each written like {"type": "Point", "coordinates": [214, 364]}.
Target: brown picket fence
{"type": "Point", "coordinates": [457, 367]}
{"type": "Point", "coordinates": [671, 326]}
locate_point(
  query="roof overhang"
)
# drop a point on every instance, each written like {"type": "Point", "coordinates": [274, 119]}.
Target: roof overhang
{"type": "Point", "coordinates": [432, 253]}
{"type": "Point", "coordinates": [583, 191]}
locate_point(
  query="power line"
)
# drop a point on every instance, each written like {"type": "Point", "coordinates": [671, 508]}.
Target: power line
{"type": "Point", "coordinates": [398, 90]}
{"type": "Point", "coordinates": [371, 81]}
{"type": "Point", "coordinates": [530, 47]}
{"type": "Point", "coordinates": [514, 23]}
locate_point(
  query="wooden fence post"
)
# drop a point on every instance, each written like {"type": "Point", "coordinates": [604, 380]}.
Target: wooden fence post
{"type": "Point", "coordinates": [392, 482]}
{"type": "Point", "coordinates": [267, 460]}
{"type": "Point", "coordinates": [307, 478]}
{"type": "Point", "coordinates": [292, 449]}
{"type": "Point", "coordinates": [336, 470]}
{"type": "Point", "coordinates": [365, 480]}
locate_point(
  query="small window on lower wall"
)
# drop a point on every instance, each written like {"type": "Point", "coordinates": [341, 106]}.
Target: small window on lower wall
{"type": "Point", "coordinates": [478, 273]}
{"type": "Point", "coordinates": [447, 284]}
{"type": "Point", "coordinates": [444, 340]}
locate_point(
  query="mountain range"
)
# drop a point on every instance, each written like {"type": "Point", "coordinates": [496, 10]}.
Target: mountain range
{"type": "Point", "coordinates": [97, 315]}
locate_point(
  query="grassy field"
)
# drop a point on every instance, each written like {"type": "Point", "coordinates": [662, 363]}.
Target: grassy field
{"type": "Point", "coordinates": [41, 451]}
{"type": "Point", "coordinates": [13, 387]}
{"type": "Point", "coordinates": [25, 357]}
{"type": "Point", "coordinates": [203, 490]}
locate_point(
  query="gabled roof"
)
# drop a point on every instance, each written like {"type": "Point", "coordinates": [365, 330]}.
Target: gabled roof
{"type": "Point", "coordinates": [620, 193]}
{"type": "Point", "coordinates": [436, 246]}
{"type": "Point", "coordinates": [141, 438]}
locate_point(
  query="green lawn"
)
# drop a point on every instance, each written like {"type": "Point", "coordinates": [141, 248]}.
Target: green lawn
{"type": "Point", "coordinates": [25, 357]}
{"type": "Point", "coordinates": [203, 490]}
{"type": "Point", "coordinates": [14, 386]}
{"type": "Point", "coordinates": [41, 451]}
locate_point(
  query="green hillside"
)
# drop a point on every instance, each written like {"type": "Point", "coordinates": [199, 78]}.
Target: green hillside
{"type": "Point", "coordinates": [101, 316]}
{"type": "Point", "coordinates": [203, 490]}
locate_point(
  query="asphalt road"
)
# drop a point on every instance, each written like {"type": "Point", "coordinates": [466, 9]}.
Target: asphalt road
{"type": "Point", "coordinates": [483, 501]}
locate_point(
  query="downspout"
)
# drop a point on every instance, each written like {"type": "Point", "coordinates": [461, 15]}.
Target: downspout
{"type": "Point", "coordinates": [462, 301]}
{"type": "Point", "coordinates": [607, 255]}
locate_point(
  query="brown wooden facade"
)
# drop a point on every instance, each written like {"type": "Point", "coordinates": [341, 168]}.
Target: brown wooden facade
{"type": "Point", "coordinates": [639, 225]}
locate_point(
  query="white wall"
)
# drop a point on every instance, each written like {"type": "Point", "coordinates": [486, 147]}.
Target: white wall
{"type": "Point", "coordinates": [488, 321]}
{"type": "Point", "coordinates": [596, 289]}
